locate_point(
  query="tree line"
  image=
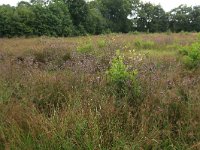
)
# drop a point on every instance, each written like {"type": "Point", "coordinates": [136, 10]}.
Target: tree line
{"type": "Point", "coordinates": [79, 17]}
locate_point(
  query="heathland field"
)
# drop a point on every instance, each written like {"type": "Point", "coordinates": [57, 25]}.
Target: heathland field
{"type": "Point", "coordinates": [118, 91]}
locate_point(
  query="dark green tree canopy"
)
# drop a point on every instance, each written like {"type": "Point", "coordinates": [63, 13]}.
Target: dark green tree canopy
{"type": "Point", "coordinates": [180, 18]}
{"type": "Point", "coordinates": [81, 17]}
{"type": "Point", "coordinates": [116, 13]}
{"type": "Point", "coordinates": [151, 18]}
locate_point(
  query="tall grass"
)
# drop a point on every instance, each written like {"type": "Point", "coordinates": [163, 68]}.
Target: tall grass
{"type": "Point", "coordinates": [73, 106]}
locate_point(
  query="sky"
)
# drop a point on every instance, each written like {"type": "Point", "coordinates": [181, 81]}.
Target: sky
{"type": "Point", "coordinates": [166, 4]}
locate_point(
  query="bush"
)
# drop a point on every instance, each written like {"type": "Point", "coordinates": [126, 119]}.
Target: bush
{"type": "Point", "coordinates": [85, 47]}
{"type": "Point", "coordinates": [123, 82]}
{"type": "Point", "coordinates": [191, 56]}
{"type": "Point", "coordinates": [101, 43]}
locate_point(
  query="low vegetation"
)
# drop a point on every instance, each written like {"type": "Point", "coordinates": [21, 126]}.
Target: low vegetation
{"type": "Point", "coordinates": [191, 56]}
{"type": "Point", "coordinates": [115, 91]}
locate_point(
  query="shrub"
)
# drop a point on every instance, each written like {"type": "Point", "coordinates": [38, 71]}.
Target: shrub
{"type": "Point", "coordinates": [85, 47]}
{"type": "Point", "coordinates": [101, 43]}
{"type": "Point", "coordinates": [118, 73]}
{"type": "Point", "coordinates": [191, 56]}
{"type": "Point", "coordinates": [123, 81]}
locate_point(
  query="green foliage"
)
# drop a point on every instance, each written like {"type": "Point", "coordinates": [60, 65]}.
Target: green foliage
{"type": "Point", "coordinates": [61, 19]}
{"type": "Point", "coordinates": [169, 32]}
{"type": "Point", "coordinates": [26, 20]}
{"type": "Point", "coordinates": [123, 81]}
{"type": "Point", "coordinates": [85, 47]}
{"type": "Point", "coordinates": [6, 27]}
{"type": "Point", "coordinates": [118, 73]}
{"type": "Point", "coordinates": [79, 11]}
{"type": "Point", "coordinates": [180, 19]}
{"type": "Point", "coordinates": [101, 43]}
{"type": "Point", "coordinates": [5, 92]}
{"type": "Point", "coordinates": [79, 17]}
{"type": "Point", "coordinates": [139, 44]}
{"type": "Point", "coordinates": [134, 33]}
{"type": "Point", "coordinates": [188, 62]}
{"type": "Point", "coordinates": [96, 23]}
{"type": "Point", "coordinates": [53, 20]}
{"type": "Point", "coordinates": [191, 56]}
{"type": "Point", "coordinates": [195, 19]}
{"type": "Point", "coordinates": [151, 18]}
{"type": "Point", "coordinates": [116, 13]}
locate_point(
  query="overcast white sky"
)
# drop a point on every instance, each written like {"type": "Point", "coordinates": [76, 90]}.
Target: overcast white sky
{"type": "Point", "coordinates": [166, 4]}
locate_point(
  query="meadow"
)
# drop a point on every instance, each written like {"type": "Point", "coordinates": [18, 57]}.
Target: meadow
{"type": "Point", "coordinates": [108, 92]}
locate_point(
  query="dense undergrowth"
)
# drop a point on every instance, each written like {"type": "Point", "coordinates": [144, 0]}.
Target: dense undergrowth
{"type": "Point", "coordinates": [78, 93]}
